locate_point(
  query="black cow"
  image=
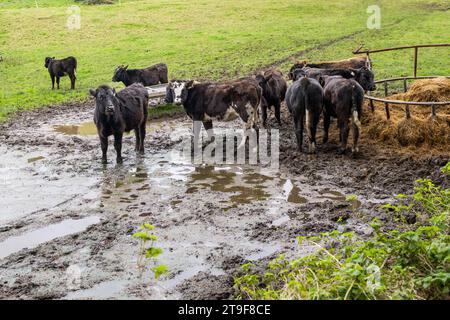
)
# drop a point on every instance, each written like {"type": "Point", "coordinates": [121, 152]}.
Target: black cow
{"type": "Point", "coordinates": [274, 91]}
{"type": "Point", "coordinates": [305, 97]}
{"type": "Point", "coordinates": [119, 113]}
{"type": "Point", "coordinates": [222, 101]}
{"type": "Point", "coordinates": [343, 99]}
{"type": "Point", "coordinates": [148, 77]}
{"type": "Point", "coordinates": [60, 68]}
{"type": "Point", "coordinates": [363, 76]}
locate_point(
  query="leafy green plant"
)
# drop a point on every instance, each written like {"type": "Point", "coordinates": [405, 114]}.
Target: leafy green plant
{"type": "Point", "coordinates": [148, 252]}
{"type": "Point", "coordinates": [412, 262]}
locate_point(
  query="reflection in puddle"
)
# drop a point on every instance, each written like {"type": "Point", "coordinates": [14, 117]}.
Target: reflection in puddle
{"type": "Point", "coordinates": [102, 290]}
{"type": "Point", "coordinates": [246, 188]}
{"type": "Point", "coordinates": [84, 129]}
{"type": "Point", "coordinates": [292, 193]}
{"type": "Point", "coordinates": [35, 238]}
{"type": "Point", "coordinates": [34, 159]}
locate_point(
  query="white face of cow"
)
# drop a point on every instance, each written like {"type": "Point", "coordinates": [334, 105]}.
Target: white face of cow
{"type": "Point", "coordinates": [176, 89]}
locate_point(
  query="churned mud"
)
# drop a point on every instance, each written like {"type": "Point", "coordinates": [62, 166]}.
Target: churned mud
{"type": "Point", "coordinates": [66, 220]}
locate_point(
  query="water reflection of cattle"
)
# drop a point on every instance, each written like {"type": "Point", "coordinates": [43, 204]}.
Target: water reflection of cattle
{"type": "Point", "coordinates": [119, 113]}
{"type": "Point", "coordinates": [148, 77]}
{"type": "Point", "coordinates": [304, 99]}
{"type": "Point", "coordinates": [222, 101]}
{"type": "Point", "coordinates": [274, 90]}
{"type": "Point", "coordinates": [343, 99]}
{"type": "Point", "coordinates": [352, 63]}
{"type": "Point", "coordinates": [60, 68]}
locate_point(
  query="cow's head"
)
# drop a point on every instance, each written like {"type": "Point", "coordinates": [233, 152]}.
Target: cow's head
{"type": "Point", "coordinates": [177, 91]}
{"type": "Point", "coordinates": [48, 60]}
{"type": "Point", "coordinates": [119, 74]}
{"type": "Point", "coordinates": [296, 74]}
{"type": "Point", "coordinates": [263, 81]}
{"type": "Point", "coordinates": [105, 99]}
{"type": "Point", "coordinates": [365, 78]}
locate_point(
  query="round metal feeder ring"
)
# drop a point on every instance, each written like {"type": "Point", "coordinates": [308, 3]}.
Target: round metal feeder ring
{"type": "Point", "coordinates": [407, 104]}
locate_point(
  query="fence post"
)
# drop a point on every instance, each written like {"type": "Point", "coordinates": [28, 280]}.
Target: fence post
{"type": "Point", "coordinates": [405, 86]}
{"type": "Point", "coordinates": [372, 106]}
{"type": "Point", "coordinates": [407, 111]}
{"type": "Point", "coordinates": [416, 51]}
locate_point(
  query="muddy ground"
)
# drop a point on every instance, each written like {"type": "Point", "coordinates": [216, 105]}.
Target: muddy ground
{"type": "Point", "coordinates": [66, 220]}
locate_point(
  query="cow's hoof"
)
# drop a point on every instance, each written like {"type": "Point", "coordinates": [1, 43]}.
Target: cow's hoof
{"type": "Point", "coordinates": [119, 160]}
{"type": "Point", "coordinates": [104, 161]}
{"type": "Point", "coordinates": [341, 151]}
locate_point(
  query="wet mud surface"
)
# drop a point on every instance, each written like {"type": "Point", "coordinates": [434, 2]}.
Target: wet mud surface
{"type": "Point", "coordinates": [66, 220]}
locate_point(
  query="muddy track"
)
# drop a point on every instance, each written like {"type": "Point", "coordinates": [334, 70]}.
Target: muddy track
{"type": "Point", "coordinates": [66, 220]}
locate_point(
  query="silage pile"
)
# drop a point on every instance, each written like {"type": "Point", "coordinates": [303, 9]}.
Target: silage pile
{"type": "Point", "coordinates": [421, 130]}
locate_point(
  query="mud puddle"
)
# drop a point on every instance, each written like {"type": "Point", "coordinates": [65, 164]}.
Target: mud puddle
{"type": "Point", "coordinates": [37, 237]}
{"type": "Point", "coordinates": [208, 219]}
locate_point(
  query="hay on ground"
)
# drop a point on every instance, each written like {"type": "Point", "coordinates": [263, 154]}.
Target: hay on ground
{"type": "Point", "coordinates": [420, 130]}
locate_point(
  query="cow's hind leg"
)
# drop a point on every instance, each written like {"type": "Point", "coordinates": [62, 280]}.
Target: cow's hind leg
{"type": "Point", "coordinates": [53, 81]}
{"type": "Point", "coordinates": [326, 125]}
{"type": "Point", "coordinates": [72, 80]}
{"type": "Point", "coordinates": [298, 125]}
{"type": "Point", "coordinates": [118, 146]}
{"type": "Point", "coordinates": [137, 134]}
{"type": "Point", "coordinates": [208, 125]}
{"type": "Point", "coordinates": [142, 133]}
{"type": "Point", "coordinates": [57, 82]}
{"type": "Point", "coordinates": [343, 130]}
{"type": "Point", "coordinates": [277, 107]}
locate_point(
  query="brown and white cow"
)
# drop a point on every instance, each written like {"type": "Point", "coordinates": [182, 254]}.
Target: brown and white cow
{"type": "Point", "coordinates": [222, 101]}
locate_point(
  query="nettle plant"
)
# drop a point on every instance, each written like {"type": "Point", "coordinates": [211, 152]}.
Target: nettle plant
{"type": "Point", "coordinates": [148, 253]}
{"type": "Point", "coordinates": [410, 263]}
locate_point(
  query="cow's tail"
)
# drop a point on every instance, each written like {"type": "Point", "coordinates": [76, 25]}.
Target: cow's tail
{"type": "Point", "coordinates": [308, 110]}
{"type": "Point", "coordinates": [258, 106]}
{"type": "Point", "coordinates": [75, 66]}
{"type": "Point", "coordinates": [354, 110]}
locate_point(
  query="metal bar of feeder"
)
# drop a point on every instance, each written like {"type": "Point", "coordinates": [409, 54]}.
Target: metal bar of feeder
{"type": "Point", "coordinates": [359, 51]}
{"type": "Point", "coordinates": [433, 111]}
{"type": "Point", "coordinates": [416, 52]}
{"type": "Point", "coordinates": [405, 85]}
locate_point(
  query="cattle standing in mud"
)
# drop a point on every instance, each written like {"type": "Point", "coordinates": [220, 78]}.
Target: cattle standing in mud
{"type": "Point", "coordinates": [61, 68]}
{"type": "Point", "coordinates": [305, 97]}
{"type": "Point", "coordinates": [274, 91]}
{"type": "Point", "coordinates": [119, 113]}
{"type": "Point", "coordinates": [221, 101]}
{"type": "Point", "coordinates": [343, 99]}
{"type": "Point", "coordinates": [148, 77]}
{"type": "Point", "coordinates": [352, 63]}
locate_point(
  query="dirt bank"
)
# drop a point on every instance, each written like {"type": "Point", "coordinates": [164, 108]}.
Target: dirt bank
{"type": "Point", "coordinates": [66, 220]}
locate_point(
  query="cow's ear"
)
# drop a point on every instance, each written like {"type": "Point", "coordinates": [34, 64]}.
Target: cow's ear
{"type": "Point", "coordinates": [189, 84]}
{"type": "Point", "coordinates": [93, 92]}
{"type": "Point", "coordinates": [53, 57]}
{"type": "Point", "coordinates": [126, 67]}
{"type": "Point", "coordinates": [114, 91]}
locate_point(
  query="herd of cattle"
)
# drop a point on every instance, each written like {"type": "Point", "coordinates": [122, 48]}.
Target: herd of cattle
{"type": "Point", "coordinates": [334, 89]}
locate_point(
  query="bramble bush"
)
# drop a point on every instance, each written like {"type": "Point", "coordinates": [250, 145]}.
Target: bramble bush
{"type": "Point", "coordinates": [411, 262]}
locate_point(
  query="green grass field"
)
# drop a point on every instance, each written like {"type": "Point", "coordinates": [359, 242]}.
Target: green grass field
{"type": "Point", "coordinates": [205, 39]}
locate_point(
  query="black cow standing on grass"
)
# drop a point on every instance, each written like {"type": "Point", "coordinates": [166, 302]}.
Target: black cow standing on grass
{"type": "Point", "coordinates": [222, 101]}
{"type": "Point", "coordinates": [304, 99]}
{"type": "Point", "coordinates": [274, 91]}
{"type": "Point", "coordinates": [148, 77]}
{"type": "Point", "coordinates": [119, 113]}
{"type": "Point", "coordinates": [343, 99]}
{"type": "Point", "coordinates": [61, 68]}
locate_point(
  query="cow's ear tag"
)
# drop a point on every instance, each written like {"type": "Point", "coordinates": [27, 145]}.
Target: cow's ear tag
{"type": "Point", "coordinates": [352, 73]}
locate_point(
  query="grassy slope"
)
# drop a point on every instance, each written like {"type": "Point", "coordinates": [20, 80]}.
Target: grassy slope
{"type": "Point", "coordinates": [205, 39]}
